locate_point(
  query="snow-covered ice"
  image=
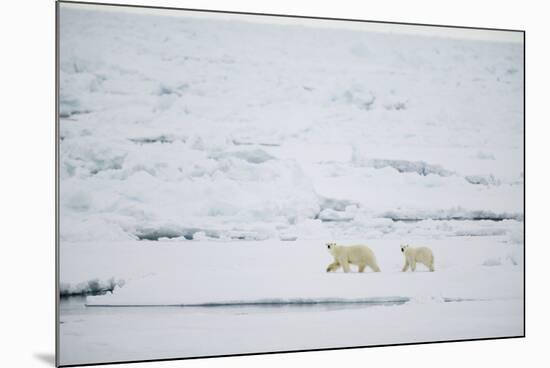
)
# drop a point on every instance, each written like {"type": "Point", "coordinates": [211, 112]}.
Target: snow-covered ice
{"type": "Point", "coordinates": [172, 124]}
{"type": "Point", "coordinates": [118, 334]}
{"type": "Point", "coordinates": [206, 162]}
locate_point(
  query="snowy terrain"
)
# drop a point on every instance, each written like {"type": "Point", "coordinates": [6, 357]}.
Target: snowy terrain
{"type": "Point", "coordinates": [206, 162]}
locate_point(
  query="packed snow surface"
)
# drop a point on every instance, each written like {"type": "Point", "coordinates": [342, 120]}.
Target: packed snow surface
{"type": "Point", "coordinates": [275, 272]}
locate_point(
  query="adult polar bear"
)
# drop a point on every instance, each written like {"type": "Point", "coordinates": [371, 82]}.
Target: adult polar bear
{"type": "Point", "coordinates": [359, 255]}
{"type": "Point", "coordinates": [413, 255]}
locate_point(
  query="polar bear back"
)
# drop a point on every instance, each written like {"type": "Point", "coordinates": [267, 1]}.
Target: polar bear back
{"type": "Point", "coordinates": [420, 254]}
{"type": "Point", "coordinates": [357, 254]}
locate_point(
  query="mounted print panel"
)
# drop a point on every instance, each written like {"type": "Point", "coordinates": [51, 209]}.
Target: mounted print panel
{"type": "Point", "coordinates": [243, 183]}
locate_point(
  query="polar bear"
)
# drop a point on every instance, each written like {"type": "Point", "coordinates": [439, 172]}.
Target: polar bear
{"type": "Point", "coordinates": [412, 255]}
{"type": "Point", "coordinates": [359, 255]}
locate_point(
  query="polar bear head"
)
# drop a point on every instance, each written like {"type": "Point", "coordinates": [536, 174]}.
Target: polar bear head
{"type": "Point", "coordinates": [331, 247]}
{"type": "Point", "coordinates": [404, 247]}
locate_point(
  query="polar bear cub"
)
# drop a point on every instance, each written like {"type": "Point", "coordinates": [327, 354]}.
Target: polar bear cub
{"type": "Point", "coordinates": [359, 255]}
{"type": "Point", "coordinates": [413, 255]}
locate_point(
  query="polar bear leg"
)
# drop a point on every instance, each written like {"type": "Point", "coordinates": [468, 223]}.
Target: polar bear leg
{"type": "Point", "coordinates": [413, 265]}
{"type": "Point", "coordinates": [345, 264]}
{"type": "Point", "coordinates": [362, 267]}
{"type": "Point", "coordinates": [374, 266]}
{"type": "Point", "coordinates": [431, 265]}
{"type": "Point", "coordinates": [333, 266]}
{"type": "Point", "coordinates": [406, 266]}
